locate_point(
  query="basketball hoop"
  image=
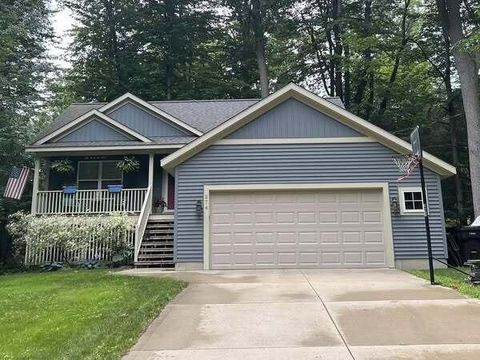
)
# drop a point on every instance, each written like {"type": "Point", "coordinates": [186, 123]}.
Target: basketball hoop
{"type": "Point", "coordinates": [406, 165]}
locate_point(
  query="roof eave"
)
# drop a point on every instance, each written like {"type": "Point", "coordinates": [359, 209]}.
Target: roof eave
{"type": "Point", "coordinates": [44, 150]}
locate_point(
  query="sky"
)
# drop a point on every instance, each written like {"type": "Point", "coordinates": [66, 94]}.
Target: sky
{"type": "Point", "coordinates": [62, 21]}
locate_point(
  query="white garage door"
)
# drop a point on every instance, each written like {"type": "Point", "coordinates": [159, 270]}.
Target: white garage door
{"type": "Point", "coordinates": [297, 229]}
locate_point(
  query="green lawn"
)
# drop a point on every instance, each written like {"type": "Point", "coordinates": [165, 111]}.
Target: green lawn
{"type": "Point", "coordinates": [77, 314]}
{"type": "Point", "coordinates": [453, 279]}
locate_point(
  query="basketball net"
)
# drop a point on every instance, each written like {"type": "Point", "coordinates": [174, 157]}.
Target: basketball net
{"type": "Point", "coordinates": [406, 165]}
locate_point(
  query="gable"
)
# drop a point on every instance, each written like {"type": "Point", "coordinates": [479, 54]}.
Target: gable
{"type": "Point", "coordinates": [293, 119]}
{"type": "Point", "coordinates": [92, 131]}
{"type": "Point", "coordinates": [293, 91]}
{"type": "Point", "coordinates": [144, 122]}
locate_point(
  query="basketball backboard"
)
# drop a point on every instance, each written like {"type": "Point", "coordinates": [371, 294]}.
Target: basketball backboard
{"type": "Point", "coordinates": [415, 141]}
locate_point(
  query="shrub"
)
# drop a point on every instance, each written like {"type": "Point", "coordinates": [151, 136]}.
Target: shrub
{"type": "Point", "coordinates": [70, 233]}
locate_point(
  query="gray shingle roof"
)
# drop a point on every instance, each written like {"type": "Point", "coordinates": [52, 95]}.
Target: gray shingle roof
{"type": "Point", "coordinates": [203, 115]}
{"type": "Point", "coordinates": [335, 100]}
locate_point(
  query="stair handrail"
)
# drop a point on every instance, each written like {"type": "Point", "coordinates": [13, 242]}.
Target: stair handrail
{"type": "Point", "coordinates": [142, 222]}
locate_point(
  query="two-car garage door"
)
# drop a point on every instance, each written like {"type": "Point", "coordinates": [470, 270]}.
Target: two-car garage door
{"type": "Point", "coordinates": [315, 228]}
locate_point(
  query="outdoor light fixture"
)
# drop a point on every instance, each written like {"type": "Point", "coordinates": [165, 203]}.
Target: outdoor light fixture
{"type": "Point", "coordinates": [395, 206]}
{"type": "Point", "coordinates": [199, 207]}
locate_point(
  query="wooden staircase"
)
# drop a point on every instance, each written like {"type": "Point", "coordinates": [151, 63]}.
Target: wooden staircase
{"type": "Point", "coordinates": [156, 249]}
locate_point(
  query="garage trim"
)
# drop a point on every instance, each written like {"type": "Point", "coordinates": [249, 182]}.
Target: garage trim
{"type": "Point", "coordinates": [207, 189]}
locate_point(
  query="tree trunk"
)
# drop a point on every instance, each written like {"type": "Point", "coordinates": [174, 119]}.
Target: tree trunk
{"type": "Point", "coordinates": [338, 47]}
{"type": "Point", "coordinates": [318, 53]}
{"type": "Point", "coordinates": [113, 45]}
{"type": "Point", "coordinates": [347, 93]}
{"type": "Point", "coordinates": [452, 118]}
{"type": "Point", "coordinates": [169, 62]}
{"type": "Point", "coordinates": [396, 63]}
{"type": "Point", "coordinates": [367, 56]}
{"type": "Point", "coordinates": [468, 75]}
{"type": "Point", "coordinates": [259, 33]}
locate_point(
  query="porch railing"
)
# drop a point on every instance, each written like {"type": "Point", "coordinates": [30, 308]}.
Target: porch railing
{"type": "Point", "coordinates": [142, 222]}
{"type": "Point", "coordinates": [90, 201]}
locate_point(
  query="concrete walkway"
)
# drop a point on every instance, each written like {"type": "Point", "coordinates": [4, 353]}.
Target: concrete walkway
{"type": "Point", "coordinates": [311, 314]}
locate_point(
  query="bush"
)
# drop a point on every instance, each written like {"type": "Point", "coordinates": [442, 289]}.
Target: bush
{"type": "Point", "coordinates": [70, 233]}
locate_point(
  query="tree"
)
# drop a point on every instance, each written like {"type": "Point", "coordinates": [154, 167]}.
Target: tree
{"type": "Point", "coordinates": [24, 33]}
{"type": "Point", "coordinates": [177, 36]}
{"type": "Point", "coordinates": [257, 22]}
{"type": "Point", "coordinates": [104, 52]}
{"type": "Point", "coordinates": [467, 68]}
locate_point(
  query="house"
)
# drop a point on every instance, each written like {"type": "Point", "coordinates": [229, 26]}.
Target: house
{"type": "Point", "coordinates": [290, 181]}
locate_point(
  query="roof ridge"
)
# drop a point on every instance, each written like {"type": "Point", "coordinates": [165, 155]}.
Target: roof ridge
{"type": "Point", "coordinates": [172, 101]}
{"type": "Point", "coordinates": [201, 100]}
{"type": "Point", "coordinates": [88, 103]}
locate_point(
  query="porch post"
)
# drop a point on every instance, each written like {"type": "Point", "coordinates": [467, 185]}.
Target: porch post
{"type": "Point", "coordinates": [151, 163]}
{"type": "Point", "coordinates": [36, 180]}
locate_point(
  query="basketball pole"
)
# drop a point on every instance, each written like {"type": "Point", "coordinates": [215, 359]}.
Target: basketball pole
{"type": "Point", "coordinates": [417, 151]}
{"type": "Point", "coordinates": [427, 223]}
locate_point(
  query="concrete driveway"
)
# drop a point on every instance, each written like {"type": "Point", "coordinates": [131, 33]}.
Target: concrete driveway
{"type": "Point", "coordinates": [311, 314]}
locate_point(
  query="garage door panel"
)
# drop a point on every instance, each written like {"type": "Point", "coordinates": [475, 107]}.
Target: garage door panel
{"type": "Point", "coordinates": [307, 217]}
{"type": "Point", "coordinates": [222, 218]}
{"type": "Point", "coordinates": [353, 257]}
{"type": "Point", "coordinates": [264, 218]}
{"type": "Point", "coordinates": [307, 238]}
{"type": "Point", "coordinates": [350, 217]}
{"type": "Point", "coordinates": [297, 229]}
{"type": "Point", "coordinates": [284, 237]}
{"type": "Point", "coordinates": [331, 257]}
{"type": "Point", "coordinates": [328, 217]}
{"type": "Point", "coordinates": [242, 238]}
{"type": "Point", "coordinates": [372, 217]}
{"type": "Point", "coordinates": [329, 237]}
{"type": "Point", "coordinates": [373, 237]}
{"type": "Point", "coordinates": [351, 237]}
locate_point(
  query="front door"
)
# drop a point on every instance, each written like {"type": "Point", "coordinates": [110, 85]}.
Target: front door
{"type": "Point", "coordinates": [170, 192]}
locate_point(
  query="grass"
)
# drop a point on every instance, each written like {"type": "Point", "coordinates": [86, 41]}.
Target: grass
{"type": "Point", "coordinates": [77, 314]}
{"type": "Point", "coordinates": [452, 279]}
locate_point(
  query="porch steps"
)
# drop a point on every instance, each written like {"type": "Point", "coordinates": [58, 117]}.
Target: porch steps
{"type": "Point", "coordinates": [156, 249]}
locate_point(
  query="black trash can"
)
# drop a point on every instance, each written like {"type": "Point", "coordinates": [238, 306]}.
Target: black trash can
{"type": "Point", "coordinates": [468, 240]}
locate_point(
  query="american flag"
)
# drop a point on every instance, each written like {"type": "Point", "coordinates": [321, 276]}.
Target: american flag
{"type": "Point", "coordinates": [16, 182]}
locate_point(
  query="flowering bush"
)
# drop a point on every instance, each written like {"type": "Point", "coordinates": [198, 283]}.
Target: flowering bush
{"type": "Point", "coordinates": [70, 233]}
{"type": "Point", "coordinates": [128, 164]}
{"type": "Point", "coordinates": [64, 166]}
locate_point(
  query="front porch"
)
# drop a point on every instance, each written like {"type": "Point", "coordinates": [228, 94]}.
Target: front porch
{"type": "Point", "coordinates": [96, 184]}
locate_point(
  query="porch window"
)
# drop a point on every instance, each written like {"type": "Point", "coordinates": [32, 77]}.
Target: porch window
{"type": "Point", "coordinates": [94, 175]}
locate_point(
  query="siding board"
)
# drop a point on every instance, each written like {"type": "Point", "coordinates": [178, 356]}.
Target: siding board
{"type": "Point", "coordinates": [293, 119]}
{"type": "Point", "coordinates": [302, 163]}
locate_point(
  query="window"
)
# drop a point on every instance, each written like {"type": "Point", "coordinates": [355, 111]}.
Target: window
{"type": "Point", "coordinates": [411, 201]}
{"type": "Point", "coordinates": [93, 175]}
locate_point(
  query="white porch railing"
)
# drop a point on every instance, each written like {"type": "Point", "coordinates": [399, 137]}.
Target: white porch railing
{"type": "Point", "coordinates": [90, 201]}
{"type": "Point", "coordinates": [142, 222]}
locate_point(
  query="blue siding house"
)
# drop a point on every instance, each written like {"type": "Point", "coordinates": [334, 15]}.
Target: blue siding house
{"type": "Point", "coordinates": [289, 181]}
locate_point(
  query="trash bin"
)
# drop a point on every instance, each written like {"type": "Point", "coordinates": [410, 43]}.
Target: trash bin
{"type": "Point", "coordinates": [468, 240]}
